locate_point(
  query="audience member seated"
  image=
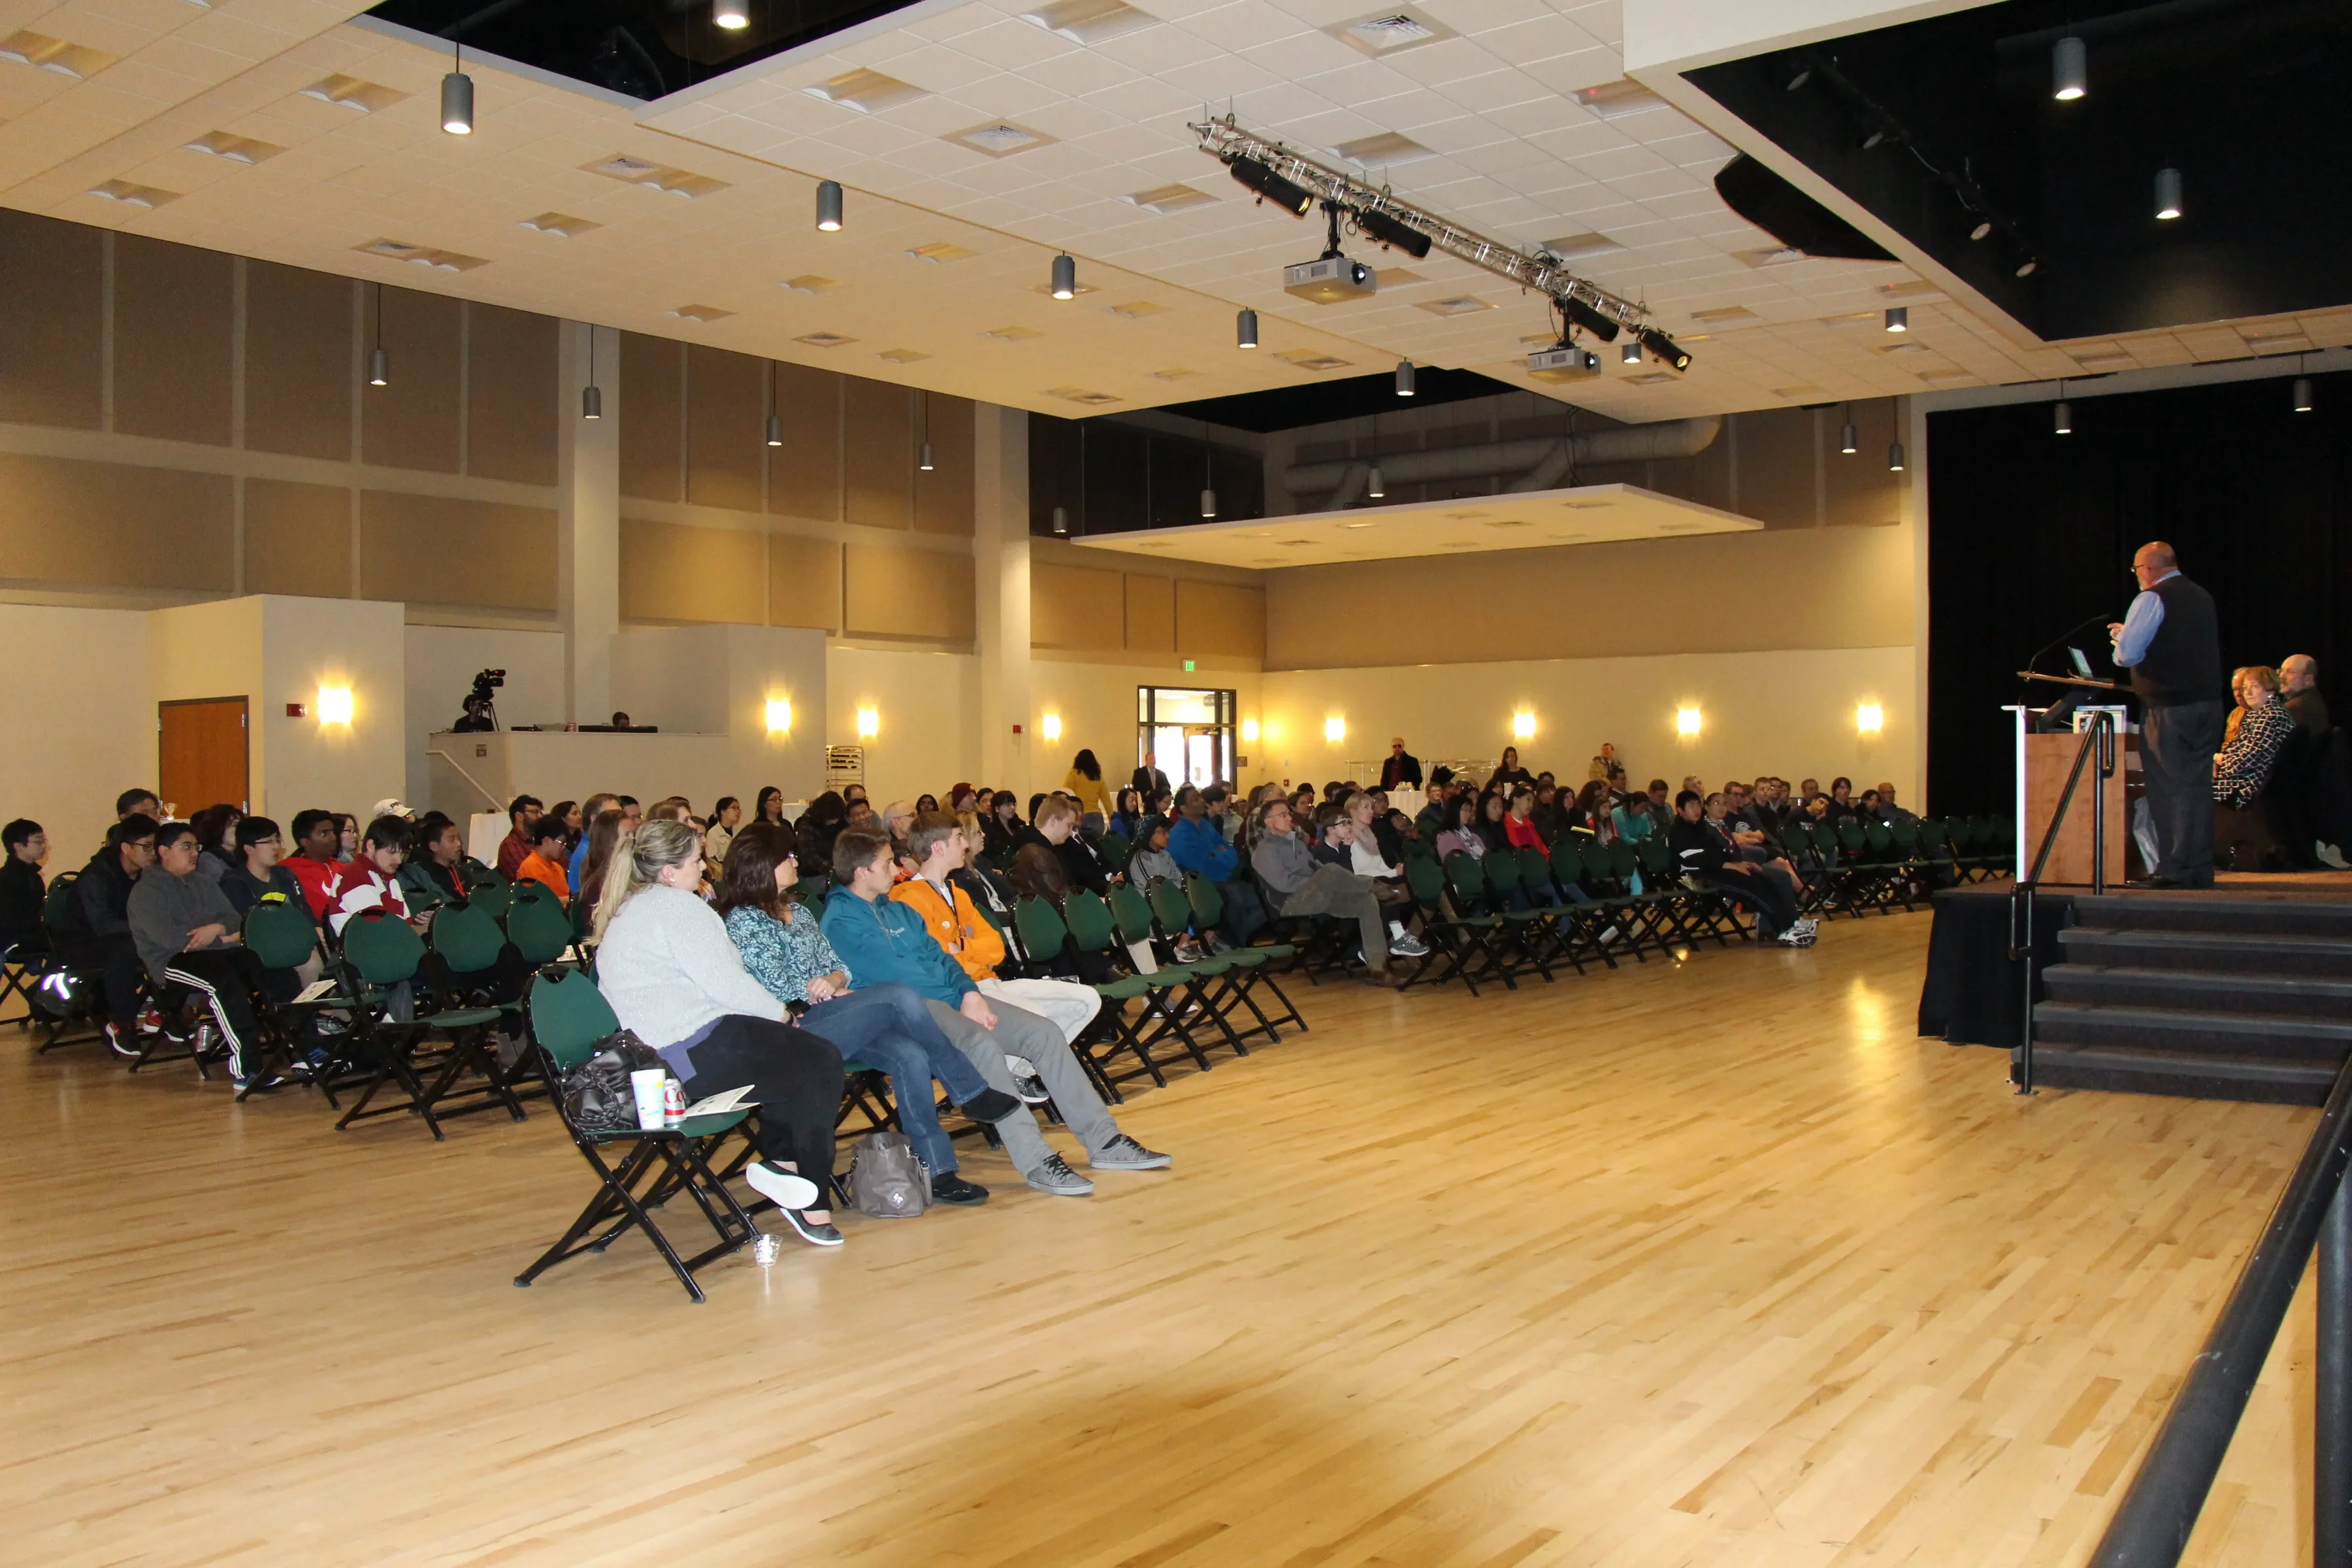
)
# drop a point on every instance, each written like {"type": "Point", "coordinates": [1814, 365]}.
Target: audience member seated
{"type": "Point", "coordinates": [726, 817]}
{"type": "Point", "coordinates": [2243, 767]}
{"type": "Point", "coordinates": [367, 883]}
{"type": "Point", "coordinates": [886, 1026]}
{"type": "Point", "coordinates": [188, 935]}
{"type": "Point", "coordinates": [1151, 862]}
{"type": "Point", "coordinates": [1461, 835]}
{"type": "Point", "coordinates": [1054, 824]}
{"type": "Point", "coordinates": [521, 812]}
{"type": "Point", "coordinates": [882, 939]}
{"type": "Point", "coordinates": [98, 933]}
{"type": "Point", "coordinates": [1494, 810]}
{"type": "Point", "coordinates": [1346, 841]}
{"type": "Point", "coordinates": [23, 893]}
{"type": "Point", "coordinates": [1127, 817]}
{"type": "Point", "coordinates": [1508, 773]}
{"type": "Point", "coordinates": [259, 879]}
{"type": "Point", "coordinates": [216, 828]}
{"type": "Point", "coordinates": [1890, 814]}
{"type": "Point", "coordinates": [603, 843]}
{"type": "Point", "coordinates": [1436, 815]}
{"type": "Point", "coordinates": [317, 835]}
{"type": "Point", "coordinates": [1296, 885]}
{"type": "Point", "coordinates": [544, 864]}
{"type": "Point", "coordinates": [956, 923]}
{"type": "Point", "coordinates": [1634, 818]}
{"type": "Point", "coordinates": [438, 870]}
{"type": "Point", "coordinates": [595, 806]}
{"type": "Point", "coordinates": [1198, 846]}
{"type": "Point", "coordinates": [1002, 829]}
{"type": "Point", "coordinates": [826, 815]}
{"type": "Point", "coordinates": [1708, 857]}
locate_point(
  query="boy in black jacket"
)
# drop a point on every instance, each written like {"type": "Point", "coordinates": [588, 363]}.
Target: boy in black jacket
{"type": "Point", "coordinates": [1706, 854]}
{"type": "Point", "coordinates": [23, 893]}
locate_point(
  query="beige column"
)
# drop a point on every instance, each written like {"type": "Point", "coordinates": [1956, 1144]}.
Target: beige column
{"type": "Point", "coordinates": [1001, 582]}
{"type": "Point", "coordinates": [588, 520]}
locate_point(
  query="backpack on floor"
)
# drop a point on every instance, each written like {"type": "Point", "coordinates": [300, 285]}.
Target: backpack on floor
{"type": "Point", "coordinates": [886, 1181]}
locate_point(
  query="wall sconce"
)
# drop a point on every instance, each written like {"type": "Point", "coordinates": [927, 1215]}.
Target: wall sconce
{"type": "Point", "coordinates": [1685, 721]}
{"type": "Point", "coordinates": [334, 705]}
{"type": "Point", "coordinates": [1523, 726]}
{"type": "Point", "coordinates": [1050, 726]}
{"type": "Point", "coordinates": [1335, 729]}
{"type": "Point", "coordinates": [780, 715]}
{"type": "Point", "coordinates": [869, 723]}
{"type": "Point", "coordinates": [1249, 732]}
{"type": "Point", "coordinates": [1870, 717]}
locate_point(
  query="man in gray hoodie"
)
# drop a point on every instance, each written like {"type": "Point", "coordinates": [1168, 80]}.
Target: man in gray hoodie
{"type": "Point", "coordinates": [189, 935]}
{"type": "Point", "coordinates": [1297, 884]}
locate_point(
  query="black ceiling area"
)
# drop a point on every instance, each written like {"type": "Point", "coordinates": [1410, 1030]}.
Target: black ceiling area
{"type": "Point", "coordinates": [1942, 127]}
{"type": "Point", "coordinates": [1322, 402]}
{"type": "Point", "coordinates": [640, 49]}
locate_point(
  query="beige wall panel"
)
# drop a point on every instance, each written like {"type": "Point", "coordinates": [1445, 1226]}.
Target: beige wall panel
{"type": "Point", "coordinates": [412, 423]}
{"type": "Point", "coordinates": [1221, 619]}
{"type": "Point", "coordinates": [1152, 615]}
{"type": "Point", "coordinates": [1810, 587]}
{"type": "Point", "coordinates": [174, 326]}
{"type": "Point", "coordinates": [297, 539]}
{"type": "Point", "coordinates": [893, 593]}
{"type": "Point", "coordinates": [510, 402]}
{"type": "Point", "coordinates": [112, 525]}
{"type": "Point", "coordinates": [725, 434]}
{"type": "Point", "coordinates": [881, 454]}
{"type": "Point", "coordinates": [804, 473]}
{"type": "Point", "coordinates": [653, 462]}
{"type": "Point", "coordinates": [944, 498]}
{"type": "Point", "coordinates": [49, 320]}
{"type": "Point", "coordinates": [1075, 608]}
{"type": "Point", "coordinates": [803, 581]}
{"type": "Point", "coordinates": [1859, 490]}
{"type": "Point", "coordinates": [672, 571]}
{"type": "Point", "coordinates": [432, 550]}
{"type": "Point", "coordinates": [1776, 466]}
{"type": "Point", "coordinates": [297, 362]}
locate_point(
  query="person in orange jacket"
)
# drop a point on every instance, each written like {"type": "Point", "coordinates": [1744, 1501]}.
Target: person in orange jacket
{"type": "Point", "coordinates": [938, 844]}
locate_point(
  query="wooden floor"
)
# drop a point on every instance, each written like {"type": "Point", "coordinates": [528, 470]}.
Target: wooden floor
{"type": "Point", "coordinates": [1710, 1263]}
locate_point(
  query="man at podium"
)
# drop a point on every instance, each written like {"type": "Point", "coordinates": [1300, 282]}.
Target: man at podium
{"type": "Point", "coordinates": [2170, 640]}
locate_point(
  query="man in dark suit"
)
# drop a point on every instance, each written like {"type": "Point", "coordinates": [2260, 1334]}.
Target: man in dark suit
{"type": "Point", "coordinates": [1402, 769]}
{"type": "Point", "coordinates": [2170, 640]}
{"type": "Point", "coordinates": [2299, 680]}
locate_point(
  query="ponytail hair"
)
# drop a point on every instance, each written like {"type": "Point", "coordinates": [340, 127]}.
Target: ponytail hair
{"type": "Point", "coordinates": [638, 861]}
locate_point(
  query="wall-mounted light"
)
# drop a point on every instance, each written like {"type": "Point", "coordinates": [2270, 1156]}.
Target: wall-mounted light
{"type": "Point", "coordinates": [334, 705]}
{"type": "Point", "coordinates": [1249, 730]}
{"type": "Point", "coordinates": [1335, 729]}
{"type": "Point", "coordinates": [780, 715]}
{"type": "Point", "coordinates": [869, 723]}
{"type": "Point", "coordinates": [828, 205]}
{"type": "Point", "coordinates": [1523, 726]}
{"type": "Point", "coordinates": [1686, 721]}
{"type": "Point", "coordinates": [1050, 726]}
{"type": "Point", "coordinates": [1870, 717]}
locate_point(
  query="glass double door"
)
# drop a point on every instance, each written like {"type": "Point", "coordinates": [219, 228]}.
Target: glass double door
{"type": "Point", "coordinates": [1186, 732]}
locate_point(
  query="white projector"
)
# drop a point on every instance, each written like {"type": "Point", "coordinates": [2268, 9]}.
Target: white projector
{"type": "Point", "coordinates": [1565, 363]}
{"type": "Point", "coordinates": [1328, 279]}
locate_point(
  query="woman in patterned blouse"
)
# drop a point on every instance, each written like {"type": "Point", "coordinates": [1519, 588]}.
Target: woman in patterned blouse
{"type": "Point", "coordinates": [2242, 767]}
{"type": "Point", "coordinates": [885, 1026]}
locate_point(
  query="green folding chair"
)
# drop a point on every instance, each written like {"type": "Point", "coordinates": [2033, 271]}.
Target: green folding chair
{"type": "Point", "coordinates": [539, 925]}
{"type": "Point", "coordinates": [1253, 966]}
{"type": "Point", "coordinates": [381, 954]}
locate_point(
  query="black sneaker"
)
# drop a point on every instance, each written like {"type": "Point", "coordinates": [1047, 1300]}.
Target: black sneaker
{"type": "Point", "coordinates": [1031, 1088]}
{"type": "Point", "coordinates": [990, 1105]}
{"type": "Point", "coordinates": [809, 1230]}
{"type": "Point", "coordinates": [119, 1045]}
{"type": "Point", "coordinates": [951, 1188]}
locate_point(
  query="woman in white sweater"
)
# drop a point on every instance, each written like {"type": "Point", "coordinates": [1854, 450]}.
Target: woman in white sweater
{"type": "Point", "coordinates": [675, 980]}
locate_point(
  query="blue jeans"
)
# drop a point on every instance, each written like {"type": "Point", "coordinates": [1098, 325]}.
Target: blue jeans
{"type": "Point", "coordinates": [888, 1027]}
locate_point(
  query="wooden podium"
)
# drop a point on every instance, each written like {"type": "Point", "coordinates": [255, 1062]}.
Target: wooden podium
{"type": "Point", "coordinates": [2044, 765]}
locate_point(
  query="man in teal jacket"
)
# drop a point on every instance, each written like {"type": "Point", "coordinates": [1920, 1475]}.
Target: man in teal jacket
{"type": "Point", "coordinates": [880, 940]}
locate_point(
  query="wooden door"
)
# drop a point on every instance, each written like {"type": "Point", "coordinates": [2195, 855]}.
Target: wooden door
{"type": "Point", "coordinates": [203, 756]}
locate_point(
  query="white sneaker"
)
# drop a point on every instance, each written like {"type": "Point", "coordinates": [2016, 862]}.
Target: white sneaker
{"type": "Point", "coordinates": [785, 1189]}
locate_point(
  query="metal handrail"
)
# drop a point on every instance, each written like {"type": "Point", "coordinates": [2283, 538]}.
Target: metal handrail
{"type": "Point", "coordinates": [2100, 737]}
{"type": "Point", "coordinates": [437, 752]}
{"type": "Point", "coordinates": [2150, 1528]}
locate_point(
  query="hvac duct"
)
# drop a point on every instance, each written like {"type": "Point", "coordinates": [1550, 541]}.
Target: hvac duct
{"type": "Point", "coordinates": [1532, 465]}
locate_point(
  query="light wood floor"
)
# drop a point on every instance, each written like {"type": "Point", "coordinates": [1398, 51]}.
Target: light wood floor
{"type": "Point", "coordinates": [1713, 1264]}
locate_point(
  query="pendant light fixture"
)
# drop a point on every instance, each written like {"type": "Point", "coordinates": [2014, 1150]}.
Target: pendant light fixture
{"type": "Point", "coordinates": [2167, 194]}
{"type": "Point", "coordinates": [925, 461]}
{"type": "Point", "coordinates": [2061, 419]}
{"type": "Point", "coordinates": [1208, 475]}
{"type": "Point", "coordinates": [1847, 442]}
{"type": "Point", "coordinates": [828, 205]}
{"type": "Point", "coordinates": [1061, 522]}
{"type": "Point", "coordinates": [378, 361]}
{"type": "Point", "coordinates": [1246, 329]}
{"type": "Point", "coordinates": [1629, 352]}
{"type": "Point", "coordinates": [591, 396]}
{"type": "Point", "coordinates": [775, 420]}
{"type": "Point", "coordinates": [732, 14]}
{"type": "Point", "coordinates": [1899, 318]}
{"type": "Point", "coordinates": [1373, 488]}
{"type": "Point", "coordinates": [1894, 459]}
{"type": "Point", "coordinates": [2069, 73]}
{"type": "Point", "coordinates": [1404, 378]}
{"type": "Point", "coordinates": [2302, 388]}
{"type": "Point", "coordinates": [458, 96]}
{"type": "Point", "coordinates": [1066, 277]}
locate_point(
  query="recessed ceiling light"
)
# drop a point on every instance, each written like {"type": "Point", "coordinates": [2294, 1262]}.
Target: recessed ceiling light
{"type": "Point", "coordinates": [809, 283]}
{"type": "Point", "coordinates": [705, 313]}
{"type": "Point", "coordinates": [1135, 310]}
{"type": "Point", "coordinates": [133, 195]}
{"type": "Point", "coordinates": [1080, 394]}
{"type": "Point", "coordinates": [1089, 21]}
{"type": "Point", "coordinates": [866, 92]}
{"type": "Point", "coordinates": [939, 250]}
{"type": "Point", "coordinates": [1174, 373]}
{"type": "Point", "coordinates": [1779, 256]}
{"type": "Point", "coordinates": [901, 356]}
{"type": "Point", "coordinates": [422, 255]}
{"type": "Point", "coordinates": [564, 225]}
{"type": "Point", "coordinates": [1459, 305]}
{"type": "Point", "coordinates": [1386, 147]}
{"type": "Point", "coordinates": [823, 340]}
{"type": "Point", "coordinates": [234, 148]}
{"type": "Point", "coordinates": [350, 92]}
{"type": "Point", "coordinates": [1611, 99]}
{"type": "Point", "coordinates": [1578, 246]}
{"type": "Point", "coordinates": [54, 55]}
{"type": "Point", "coordinates": [1308, 359]}
{"type": "Point", "coordinates": [1650, 379]}
{"type": "Point", "coordinates": [652, 177]}
{"type": "Point", "coordinates": [1166, 199]}
{"type": "Point", "coordinates": [999, 138]}
{"type": "Point", "coordinates": [1355, 525]}
{"type": "Point", "coordinates": [1723, 313]}
{"type": "Point", "coordinates": [1011, 334]}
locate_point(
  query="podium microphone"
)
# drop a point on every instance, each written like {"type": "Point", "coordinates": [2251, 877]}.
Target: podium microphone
{"type": "Point", "coordinates": [2099, 619]}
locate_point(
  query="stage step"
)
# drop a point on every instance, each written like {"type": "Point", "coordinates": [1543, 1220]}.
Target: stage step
{"type": "Point", "coordinates": [2239, 952]}
{"type": "Point", "coordinates": [2191, 1033]}
{"type": "Point", "coordinates": [2196, 990]}
{"type": "Point", "coordinates": [2249, 914]}
{"type": "Point", "coordinates": [2130, 1069]}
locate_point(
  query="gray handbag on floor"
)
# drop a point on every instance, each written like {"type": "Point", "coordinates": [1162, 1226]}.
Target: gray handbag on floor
{"type": "Point", "coordinates": [886, 1181]}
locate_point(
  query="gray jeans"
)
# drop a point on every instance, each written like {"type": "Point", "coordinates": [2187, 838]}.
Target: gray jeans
{"type": "Point", "coordinates": [1023, 1033]}
{"type": "Point", "coordinates": [1334, 890]}
{"type": "Point", "coordinates": [2176, 757]}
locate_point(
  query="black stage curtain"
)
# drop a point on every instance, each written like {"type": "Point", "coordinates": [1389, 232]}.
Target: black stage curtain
{"type": "Point", "coordinates": [2030, 532]}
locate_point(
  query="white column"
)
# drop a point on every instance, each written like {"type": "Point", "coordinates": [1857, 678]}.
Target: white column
{"type": "Point", "coordinates": [1001, 582]}
{"type": "Point", "coordinates": [588, 520]}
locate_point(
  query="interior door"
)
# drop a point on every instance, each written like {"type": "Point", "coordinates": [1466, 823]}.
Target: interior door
{"type": "Point", "coordinates": [202, 755]}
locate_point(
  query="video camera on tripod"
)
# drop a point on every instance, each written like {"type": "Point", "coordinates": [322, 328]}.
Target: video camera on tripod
{"type": "Point", "coordinates": [481, 713]}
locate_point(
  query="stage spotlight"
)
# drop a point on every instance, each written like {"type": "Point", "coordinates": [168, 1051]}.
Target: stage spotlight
{"type": "Point", "coordinates": [1389, 231]}
{"type": "Point", "coordinates": [1579, 314]}
{"type": "Point", "coordinates": [1665, 348]}
{"type": "Point", "coordinates": [1293, 199]}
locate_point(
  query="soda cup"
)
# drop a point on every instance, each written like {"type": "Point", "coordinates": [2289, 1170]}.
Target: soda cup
{"type": "Point", "coordinates": [645, 1084]}
{"type": "Point", "coordinates": [673, 1102]}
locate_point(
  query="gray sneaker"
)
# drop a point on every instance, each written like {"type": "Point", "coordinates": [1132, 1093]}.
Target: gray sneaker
{"type": "Point", "coordinates": [1124, 1153]}
{"type": "Point", "coordinates": [1056, 1177]}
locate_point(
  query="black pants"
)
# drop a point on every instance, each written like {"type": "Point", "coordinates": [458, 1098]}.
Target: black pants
{"type": "Point", "coordinates": [225, 979]}
{"type": "Point", "coordinates": [794, 1075]}
{"type": "Point", "coordinates": [1764, 890]}
{"type": "Point", "coordinates": [125, 971]}
{"type": "Point", "coordinates": [2176, 757]}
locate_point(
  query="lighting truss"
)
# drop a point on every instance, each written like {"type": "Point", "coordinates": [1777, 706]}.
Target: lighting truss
{"type": "Point", "coordinates": [1544, 273]}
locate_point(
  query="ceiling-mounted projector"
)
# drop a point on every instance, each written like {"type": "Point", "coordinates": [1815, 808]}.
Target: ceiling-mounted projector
{"type": "Point", "coordinates": [1563, 362]}
{"type": "Point", "coordinates": [1328, 279]}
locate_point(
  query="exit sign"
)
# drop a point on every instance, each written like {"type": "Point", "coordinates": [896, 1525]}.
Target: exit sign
{"type": "Point", "coordinates": [1188, 666]}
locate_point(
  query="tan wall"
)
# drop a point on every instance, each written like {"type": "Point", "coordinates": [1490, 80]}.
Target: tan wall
{"type": "Point", "coordinates": [76, 703]}
{"type": "Point", "coordinates": [1096, 600]}
{"type": "Point", "coordinates": [1796, 588]}
{"type": "Point", "coordinates": [65, 523]}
